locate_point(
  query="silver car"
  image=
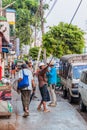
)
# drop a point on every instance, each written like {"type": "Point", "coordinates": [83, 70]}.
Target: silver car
{"type": "Point", "coordinates": [83, 90]}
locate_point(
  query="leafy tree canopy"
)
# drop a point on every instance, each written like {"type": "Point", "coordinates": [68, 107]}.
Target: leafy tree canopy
{"type": "Point", "coordinates": [25, 17]}
{"type": "Point", "coordinates": [34, 53]}
{"type": "Point", "coordinates": [64, 39]}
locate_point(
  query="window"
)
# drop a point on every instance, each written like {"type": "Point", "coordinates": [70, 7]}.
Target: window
{"type": "Point", "coordinates": [77, 71]}
{"type": "Point", "coordinates": [85, 77]}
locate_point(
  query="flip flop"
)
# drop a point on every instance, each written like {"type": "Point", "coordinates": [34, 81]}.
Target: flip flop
{"type": "Point", "coordinates": [39, 109]}
{"type": "Point", "coordinates": [46, 110]}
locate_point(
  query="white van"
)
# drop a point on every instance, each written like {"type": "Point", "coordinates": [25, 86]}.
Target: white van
{"type": "Point", "coordinates": [83, 90]}
{"type": "Point", "coordinates": [71, 67]}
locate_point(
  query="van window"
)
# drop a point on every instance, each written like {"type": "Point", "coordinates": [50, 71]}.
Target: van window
{"type": "Point", "coordinates": [64, 67]}
{"type": "Point", "coordinates": [70, 71]}
{"type": "Point", "coordinates": [85, 78]}
{"type": "Point", "coordinates": [77, 71]}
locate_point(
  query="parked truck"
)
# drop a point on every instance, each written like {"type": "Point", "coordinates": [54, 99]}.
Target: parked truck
{"type": "Point", "coordinates": [71, 67]}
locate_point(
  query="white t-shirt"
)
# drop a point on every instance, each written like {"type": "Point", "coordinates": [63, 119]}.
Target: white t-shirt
{"type": "Point", "coordinates": [30, 77]}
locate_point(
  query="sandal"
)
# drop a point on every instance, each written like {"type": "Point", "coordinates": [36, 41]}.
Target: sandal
{"type": "Point", "coordinates": [39, 109]}
{"type": "Point", "coordinates": [50, 103]}
{"type": "Point", "coordinates": [53, 105]}
{"type": "Point", "coordinates": [47, 110]}
{"type": "Point", "coordinates": [26, 114]}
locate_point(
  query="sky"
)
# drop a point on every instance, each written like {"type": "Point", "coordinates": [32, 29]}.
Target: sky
{"type": "Point", "coordinates": [64, 10]}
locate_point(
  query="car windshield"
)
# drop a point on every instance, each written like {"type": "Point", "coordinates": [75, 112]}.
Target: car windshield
{"type": "Point", "coordinates": [77, 71]}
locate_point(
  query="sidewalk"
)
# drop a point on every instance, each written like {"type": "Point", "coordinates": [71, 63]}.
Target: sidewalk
{"type": "Point", "coordinates": [61, 117]}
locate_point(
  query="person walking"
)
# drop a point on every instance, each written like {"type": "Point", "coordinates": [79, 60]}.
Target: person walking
{"type": "Point", "coordinates": [26, 91]}
{"type": "Point", "coordinates": [13, 70]}
{"type": "Point", "coordinates": [52, 80]}
{"type": "Point", "coordinates": [41, 73]}
{"type": "Point", "coordinates": [30, 66]}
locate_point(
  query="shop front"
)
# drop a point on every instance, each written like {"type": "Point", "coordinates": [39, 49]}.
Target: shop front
{"type": "Point", "coordinates": [4, 50]}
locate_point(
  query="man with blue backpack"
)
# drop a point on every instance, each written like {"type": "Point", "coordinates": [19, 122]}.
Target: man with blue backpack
{"type": "Point", "coordinates": [25, 85]}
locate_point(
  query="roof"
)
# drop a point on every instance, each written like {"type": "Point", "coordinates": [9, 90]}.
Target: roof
{"type": "Point", "coordinates": [67, 57]}
{"type": "Point", "coordinates": [74, 58]}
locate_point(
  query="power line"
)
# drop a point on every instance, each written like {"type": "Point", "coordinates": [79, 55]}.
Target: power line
{"type": "Point", "coordinates": [73, 16]}
{"type": "Point", "coordinates": [51, 8]}
{"type": "Point", "coordinates": [75, 12]}
{"type": "Point", "coordinates": [48, 2]}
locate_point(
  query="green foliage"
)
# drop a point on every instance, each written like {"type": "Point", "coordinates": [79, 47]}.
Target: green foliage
{"type": "Point", "coordinates": [64, 39]}
{"type": "Point", "coordinates": [34, 53]}
{"type": "Point", "coordinates": [25, 57]}
{"type": "Point", "coordinates": [25, 18]}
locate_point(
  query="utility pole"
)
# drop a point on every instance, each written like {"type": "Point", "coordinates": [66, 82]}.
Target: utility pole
{"type": "Point", "coordinates": [35, 34]}
{"type": "Point", "coordinates": [42, 14]}
{"type": "Point", "coordinates": [36, 16]}
{"type": "Point", "coordinates": [42, 26]}
{"type": "Point", "coordinates": [0, 7]}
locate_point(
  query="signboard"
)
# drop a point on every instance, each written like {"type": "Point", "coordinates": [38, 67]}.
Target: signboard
{"type": "Point", "coordinates": [10, 15]}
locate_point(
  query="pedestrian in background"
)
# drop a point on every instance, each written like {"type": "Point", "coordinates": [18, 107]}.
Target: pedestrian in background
{"type": "Point", "coordinates": [43, 87]}
{"type": "Point", "coordinates": [30, 66]}
{"type": "Point", "coordinates": [26, 92]}
{"type": "Point", "coordinates": [13, 70]}
{"type": "Point", "coordinates": [52, 80]}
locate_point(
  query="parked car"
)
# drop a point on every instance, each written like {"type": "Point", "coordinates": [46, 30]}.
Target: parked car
{"type": "Point", "coordinates": [70, 70]}
{"type": "Point", "coordinates": [83, 90]}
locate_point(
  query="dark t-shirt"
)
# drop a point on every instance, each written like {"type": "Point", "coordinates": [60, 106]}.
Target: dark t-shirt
{"type": "Point", "coordinates": [13, 66]}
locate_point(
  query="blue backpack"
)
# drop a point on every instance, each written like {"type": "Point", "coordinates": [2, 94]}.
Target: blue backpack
{"type": "Point", "coordinates": [24, 82]}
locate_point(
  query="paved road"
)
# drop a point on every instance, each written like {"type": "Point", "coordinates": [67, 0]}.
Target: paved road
{"type": "Point", "coordinates": [62, 117]}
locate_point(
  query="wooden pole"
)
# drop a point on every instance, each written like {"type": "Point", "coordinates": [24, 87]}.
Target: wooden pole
{"type": "Point", "coordinates": [0, 7]}
{"type": "Point", "coordinates": [42, 26]}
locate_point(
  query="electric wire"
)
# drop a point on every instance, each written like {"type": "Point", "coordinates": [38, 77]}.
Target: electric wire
{"type": "Point", "coordinates": [75, 12]}
{"type": "Point", "coordinates": [51, 8]}
{"type": "Point", "coordinates": [73, 16]}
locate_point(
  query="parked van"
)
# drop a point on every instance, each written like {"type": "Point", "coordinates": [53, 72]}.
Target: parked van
{"type": "Point", "coordinates": [71, 67]}
{"type": "Point", "coordinates": [83, 90]}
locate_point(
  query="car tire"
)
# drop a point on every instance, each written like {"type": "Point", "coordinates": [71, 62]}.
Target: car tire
{"type": "Point", "coordinates": [70, 98]}
{"type": "Point", "coordinates": [82, 106]}
{"type": "Point", "coordinates": [64, 93]}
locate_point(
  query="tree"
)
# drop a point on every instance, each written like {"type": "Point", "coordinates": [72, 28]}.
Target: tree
{"type": "Point", "coordinates": [64, 39]}
{"type": "Point", "coordinates": [25, 18]}
{"type": "Point", "coordinates": [34, 53]}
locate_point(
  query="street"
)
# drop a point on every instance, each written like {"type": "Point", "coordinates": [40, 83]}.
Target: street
{"type": "Point", "coordinates": [37, 52]}
{"type": "Point", "coordinates": [62, 117]}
